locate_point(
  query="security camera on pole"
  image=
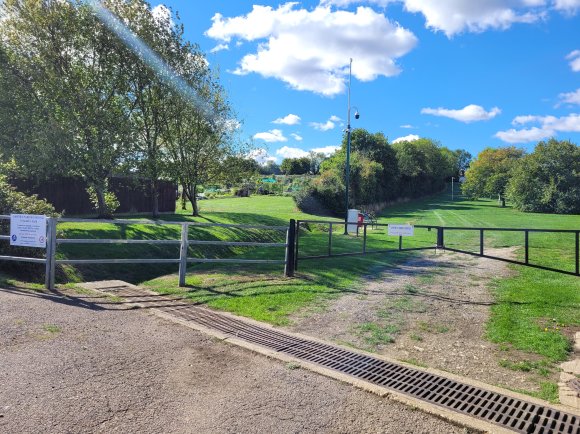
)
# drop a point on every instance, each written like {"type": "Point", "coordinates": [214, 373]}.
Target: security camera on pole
{"type": "Point", "coordinates": [347, 171]}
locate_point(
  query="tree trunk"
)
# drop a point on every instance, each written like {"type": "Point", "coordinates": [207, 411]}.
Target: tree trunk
{"type": "Point", "coordinates": [155, 198]}
{"type": "Point", "coordinates": [183, 199]}
{"type": "Point", "coordinates": [194, 206]}
{"type": "Point", "coordinates": [103, 211]}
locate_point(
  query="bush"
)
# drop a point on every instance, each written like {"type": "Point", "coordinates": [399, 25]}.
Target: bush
{"type": "Point", "coordinates": [111, 202]}
{"type": "Point", "coordinates": [548, 179]}
{"type": "Point", "coordinates": [15, 202]}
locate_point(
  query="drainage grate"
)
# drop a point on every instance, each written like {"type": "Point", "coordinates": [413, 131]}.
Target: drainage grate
{"type": "Point", "coordinates": [511, 413]}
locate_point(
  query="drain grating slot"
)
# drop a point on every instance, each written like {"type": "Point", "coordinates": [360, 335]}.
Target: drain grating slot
{"type": "Point", "coordinates": [511, 413]}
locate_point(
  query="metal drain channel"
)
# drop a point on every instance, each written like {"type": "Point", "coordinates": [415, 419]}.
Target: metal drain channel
{"type": "Point", "coordinates": [505, 411]}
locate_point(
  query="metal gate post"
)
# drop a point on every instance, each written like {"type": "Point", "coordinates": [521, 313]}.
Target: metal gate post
{"type": "Point", "coordinates": [50, 254]}
{"type": "Point", "coordinates": [183, 253]}
{"type": "Point", "coordinates": [290, 249]}
{"type": "Point", "coordinates": [440, 241]}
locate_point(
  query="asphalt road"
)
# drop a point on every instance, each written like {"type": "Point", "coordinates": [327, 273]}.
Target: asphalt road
{"type": "Point", "coordinates": [86, 363]}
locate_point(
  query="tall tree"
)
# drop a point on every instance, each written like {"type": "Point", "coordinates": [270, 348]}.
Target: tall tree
{"type": "Point", "coordinates": [75, 71]}
{"type": "Point", "coordinates": [199, 137]}
{"type": "Point", "coordinates": [548, 179]}
{"type": "Point", "coordinates": [489, 173]}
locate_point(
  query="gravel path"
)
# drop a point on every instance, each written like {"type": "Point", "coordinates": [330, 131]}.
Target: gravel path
{"type": "Point", "coordinates": [430, 310]}
{"type": "Point", "coordinates": [86, 363]}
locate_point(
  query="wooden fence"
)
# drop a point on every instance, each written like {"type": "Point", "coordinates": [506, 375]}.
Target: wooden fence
{"type": "Point", "coordinates": [69, 195]}
{"type": "Point", "coordinates": [52, 243]}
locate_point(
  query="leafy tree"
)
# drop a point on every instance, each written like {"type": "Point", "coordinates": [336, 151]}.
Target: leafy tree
{"type": "Point", "coordinates": [489, 173]}
{"type": "Point", "coordinates": [199, 137]}
{"type": "Point", "coordinates": [375, 147]}
{"type": "Point", "coordinates": [316, 159]}
{"type": "Point", "coordinates": [270, 168]}
{"type": "Point", "coordinates": [462, 160]}
{"type": "Point", "coordinates": [548, 179]}
{"type": "Point", "coordinates": [295, 166]}
{"type": "Point", "coordinates": [74, 70]}
{"type": "Point", "coordinates": [424, 166]}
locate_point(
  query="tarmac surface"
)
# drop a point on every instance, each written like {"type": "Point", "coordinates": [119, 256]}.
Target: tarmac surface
{"type": "Point", "coordinates": [89, 363]}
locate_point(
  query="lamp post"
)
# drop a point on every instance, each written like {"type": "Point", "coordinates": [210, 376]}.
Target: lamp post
{"type": "Point", "coordinates": [347, 170]}
{"type": "Point", "coordinates": [452, 178]}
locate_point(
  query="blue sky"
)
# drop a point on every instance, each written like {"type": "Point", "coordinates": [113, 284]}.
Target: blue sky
{"type": "Point", "coordinates": [470, 74]}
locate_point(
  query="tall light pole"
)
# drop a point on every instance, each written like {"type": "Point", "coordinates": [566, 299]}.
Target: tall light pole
{"type": "Point", "coordinates": [452, 178]}
{"type": "Point", "coordinates": [347, 170]}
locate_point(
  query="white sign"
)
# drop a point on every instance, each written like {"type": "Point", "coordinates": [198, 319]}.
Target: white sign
{"type": "Point", "coordinates": [28, 230]}
{"type": "Point", "coordinates": [401, 230]}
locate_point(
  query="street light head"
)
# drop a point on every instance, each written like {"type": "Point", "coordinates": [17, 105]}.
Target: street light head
{"type": "Point", "coordinates": [357, 115]}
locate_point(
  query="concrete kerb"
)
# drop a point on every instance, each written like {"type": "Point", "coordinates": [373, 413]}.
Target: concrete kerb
{"type": "Point", "coordinates": [451, 416]}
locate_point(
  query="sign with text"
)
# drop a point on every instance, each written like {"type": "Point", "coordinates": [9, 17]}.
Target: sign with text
{"type": "Point", "coordinates": [28, 230]}
{"type": "Point", "coordinates": [401, 230]}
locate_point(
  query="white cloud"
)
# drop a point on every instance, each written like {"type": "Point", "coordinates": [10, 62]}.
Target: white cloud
{"type": "Point", "coordinates": [549, 126]}
{"type": "Point", "coordinates": [574, 58]}
{"type": "Point", "coordinates": [326, 126]}
{"type": "Point", "coordinates": [261, 156]}
{"type": "Point", "coordinates": [219, 47]}
{"type": "Point", "coordinates": [327, 150]}
{"type": "Point", "coordinates": [288, 152]}
{"type": "Point", "coordinates": [570, 97]}
{"type": "Point", "coordinates": [296, 137]}
{"type": "Point", "coordinates": [288, 120]}
{"type": "Point", "coordinates": [409, 138]}
{"type": "Point", "coordinates": [469, 113]}
{"type": "Point", "coordinates": [346, 3]}
{"type": "Point", "coordinates": [271, 136]}
{"type": "Point", "coordinates": [310, 49]}
{"type": "Point", "coordinates": [407, 126]}
{"type": "Point", "coordinates": [523, 136]}
{"type": "Point", "coordinates": [569, 6]}
{"type": "Point", "coordinates": [456, 16]}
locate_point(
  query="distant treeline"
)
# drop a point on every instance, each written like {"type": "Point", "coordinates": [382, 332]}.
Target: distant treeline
{"type": "Point", "coordinates": [381, 172]}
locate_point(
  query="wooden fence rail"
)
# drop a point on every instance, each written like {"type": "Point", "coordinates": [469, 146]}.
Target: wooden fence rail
{"type": "Point", "coordinates": [184, 242]}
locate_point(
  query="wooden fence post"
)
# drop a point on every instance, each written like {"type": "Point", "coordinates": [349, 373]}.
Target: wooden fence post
{"type": "Point", "coordinates": [50, 254]}
{"type": "Point", "coordinates": [290, 249]}
{"type": "Point", "coordinates": [184, 246]}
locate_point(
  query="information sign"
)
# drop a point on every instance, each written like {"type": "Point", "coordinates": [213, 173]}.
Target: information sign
{"type": "Point", "coordinates": [401, 230]}
{"type": "Point", "coordinates": [28, 230]}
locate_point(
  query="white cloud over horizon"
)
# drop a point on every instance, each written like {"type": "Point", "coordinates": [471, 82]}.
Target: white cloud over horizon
{"type": "Point", "coordinates": [271, 136]}
{"type": "Point", "coordinates": [326, 150]}
{"type": "Point", "coordinates": [289, 119]}
{"type": "Point", "coordinates": [261, 155]}
{"type": "Point", "coordinates": [310, 49]}
{"type": "Point", "coordinates": [408, 138]}
{"type": "Point", "coordinates": [549, 126]}
{"type": "Point", "coordinates": [469, 113]}
{"type": "Point", "coordinates": [289, 152]}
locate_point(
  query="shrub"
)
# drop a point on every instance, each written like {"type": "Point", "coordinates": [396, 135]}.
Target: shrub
{"type": "Point", "coordinates": [548, 179]}
{"type": "Point", "coordinates": [111, 201]}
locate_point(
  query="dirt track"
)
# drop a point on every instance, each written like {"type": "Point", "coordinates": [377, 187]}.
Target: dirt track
{"type": "Point", "coordinates": [88, 364]}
